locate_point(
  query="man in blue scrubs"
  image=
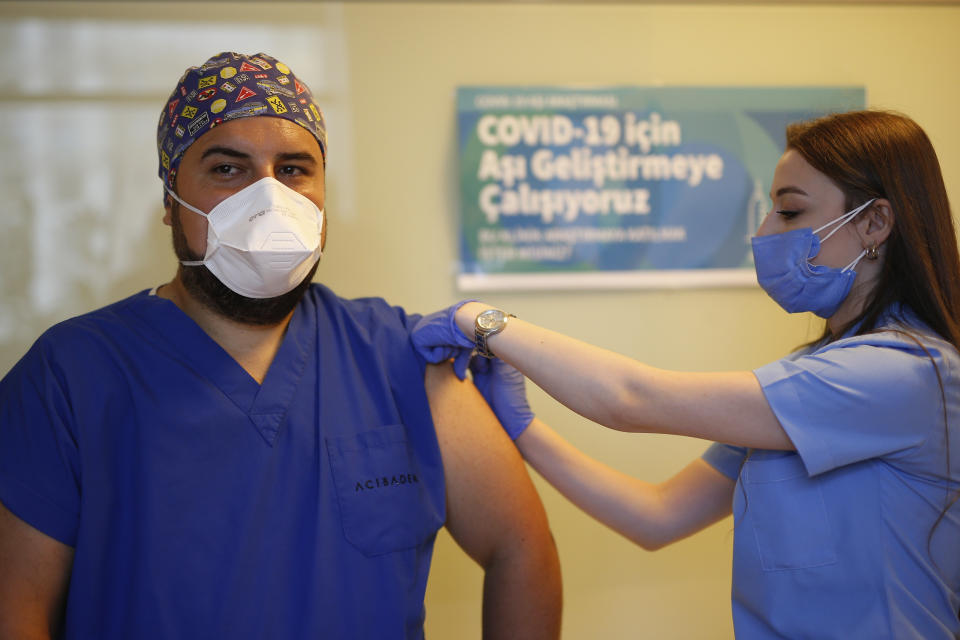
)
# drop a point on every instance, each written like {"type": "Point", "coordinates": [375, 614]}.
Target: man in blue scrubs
{"type": "Point", "coordinates": [240, 453]}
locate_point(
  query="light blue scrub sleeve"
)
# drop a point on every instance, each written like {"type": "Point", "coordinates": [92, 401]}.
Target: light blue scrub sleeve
{"type": "Point", "coordinates": [873, 396]}
{"type": "Point", "coordinates": [725, 458]}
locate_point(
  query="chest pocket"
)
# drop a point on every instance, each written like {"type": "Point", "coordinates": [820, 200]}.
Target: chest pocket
{"type": "Point", "coordinates": [385, 501]}
{"type": "Point", "coordinates": [788, 513]}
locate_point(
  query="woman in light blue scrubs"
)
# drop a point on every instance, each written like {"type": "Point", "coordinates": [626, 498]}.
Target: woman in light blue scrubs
{"type": "Point", "coordinates": [840, 462]}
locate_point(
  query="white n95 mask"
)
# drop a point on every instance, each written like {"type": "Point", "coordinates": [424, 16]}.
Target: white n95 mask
{"type": "Point", "coordinates": [263, 240]}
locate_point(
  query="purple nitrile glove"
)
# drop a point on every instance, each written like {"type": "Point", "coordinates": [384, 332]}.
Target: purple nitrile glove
{"type": "Point", "coordinates": [502, 386]}
{"type": "Point", "coordinates": [437, 338]}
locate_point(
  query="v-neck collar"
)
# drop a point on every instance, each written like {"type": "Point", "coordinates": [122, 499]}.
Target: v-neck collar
{"type": "Point", "coordinates": [264, 404]}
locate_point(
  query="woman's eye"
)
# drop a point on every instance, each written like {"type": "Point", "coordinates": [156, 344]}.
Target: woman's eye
{"type": "Point", "coordinates": [223, 169]}
{"type": "Point", "coordinates": [788, 213]}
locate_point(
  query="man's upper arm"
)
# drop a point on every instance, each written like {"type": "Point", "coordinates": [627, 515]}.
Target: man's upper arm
{"type": "Point", "coordinates": [490, 497]}
{"type": "Point", "coordinates": [494, 513]}
{"type": "Point", "coordinates": [34, 574]}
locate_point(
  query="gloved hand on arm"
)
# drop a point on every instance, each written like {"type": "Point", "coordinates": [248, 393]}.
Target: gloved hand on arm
{"type": "Point", "coordinates": [437, 338]}
{"type": "Point", "coordinates": [502, 386]}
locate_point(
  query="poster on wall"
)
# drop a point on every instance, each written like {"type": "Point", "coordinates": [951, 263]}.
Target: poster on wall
{"type": "Point", "coordinates": [564, 188]}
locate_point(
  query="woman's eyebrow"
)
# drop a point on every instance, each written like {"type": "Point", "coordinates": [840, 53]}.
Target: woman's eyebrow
{"type": "Point", "coordinates": [797, 190]}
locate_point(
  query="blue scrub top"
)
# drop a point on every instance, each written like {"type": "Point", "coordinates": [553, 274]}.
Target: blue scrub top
{"type": "Point", "coordinates": [204, 505]}
{"type": "Point", "coordinates": [831, 541]}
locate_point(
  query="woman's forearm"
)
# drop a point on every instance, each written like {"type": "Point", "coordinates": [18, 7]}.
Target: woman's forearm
{"type": "Point", "coordinates": [651, 515]}
{"type": "Point", "coordinates": [624, 394]}
{"type": "Point", "coordinates": [600, 385]}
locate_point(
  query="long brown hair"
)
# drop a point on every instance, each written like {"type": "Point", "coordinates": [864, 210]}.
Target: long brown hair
{"type": "Point", "coordinates": [882, 154]}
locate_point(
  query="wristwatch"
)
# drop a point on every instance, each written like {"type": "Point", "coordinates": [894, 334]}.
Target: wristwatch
{"type": "Point", "coordinates": [489, 323]}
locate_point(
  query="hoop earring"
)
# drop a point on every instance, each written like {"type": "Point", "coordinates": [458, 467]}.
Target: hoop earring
{"type": "Point", "coordinates": [873, 252]}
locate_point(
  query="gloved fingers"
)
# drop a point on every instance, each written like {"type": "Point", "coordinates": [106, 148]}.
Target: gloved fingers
{"type": "Point", "coordinates": [462, 339]}
{"type": "Point", "coordinates": [461, 361]}
{"type": "Point", "coordinates": [503, 387]}
{"type": "Point", "coordinates": [436, 336]}
{"type": "Point", "coordinates": [437, 354]}
{"type": "Point", "coordinates": [480, 366]}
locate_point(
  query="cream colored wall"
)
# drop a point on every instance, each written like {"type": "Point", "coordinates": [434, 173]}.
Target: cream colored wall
{"type": "Point", "coordinates": [392, 207]}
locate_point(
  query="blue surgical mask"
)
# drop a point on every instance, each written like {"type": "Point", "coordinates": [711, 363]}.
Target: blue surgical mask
{"type": "Point", "coordinates": [785, 272]}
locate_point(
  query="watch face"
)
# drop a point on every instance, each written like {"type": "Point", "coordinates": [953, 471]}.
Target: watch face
{"type": "Point", "coordinates": [490, 319]}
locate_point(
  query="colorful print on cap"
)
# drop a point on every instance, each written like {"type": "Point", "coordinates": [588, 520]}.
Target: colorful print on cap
{"type": "Point", "coordinates": [229, 86]}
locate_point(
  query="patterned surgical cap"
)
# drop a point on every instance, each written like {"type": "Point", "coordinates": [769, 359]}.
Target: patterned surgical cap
{"type": "Point", "coordinates": [229, 86]}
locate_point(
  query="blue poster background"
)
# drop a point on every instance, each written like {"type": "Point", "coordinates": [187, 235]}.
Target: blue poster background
{"type": "Point", "coordinates": [621, 186]}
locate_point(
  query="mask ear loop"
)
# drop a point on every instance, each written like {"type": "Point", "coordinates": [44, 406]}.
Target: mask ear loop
{"type": "Point", "coordinates": [844, 219]}
{"type": "Point", "coordinates": [177, 198]}
{"type": "Point", "coordinates": [871, 253]}
{"type": "Point", "coordinates": [855, 261]}
{"type": "Point", "coordinates": [187, 263]}
{"type": "Point", "coordinates": [847, 217]}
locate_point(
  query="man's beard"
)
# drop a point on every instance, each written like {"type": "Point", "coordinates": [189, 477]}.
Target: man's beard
{"type": "Point", "coordinates": [207, 289]}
